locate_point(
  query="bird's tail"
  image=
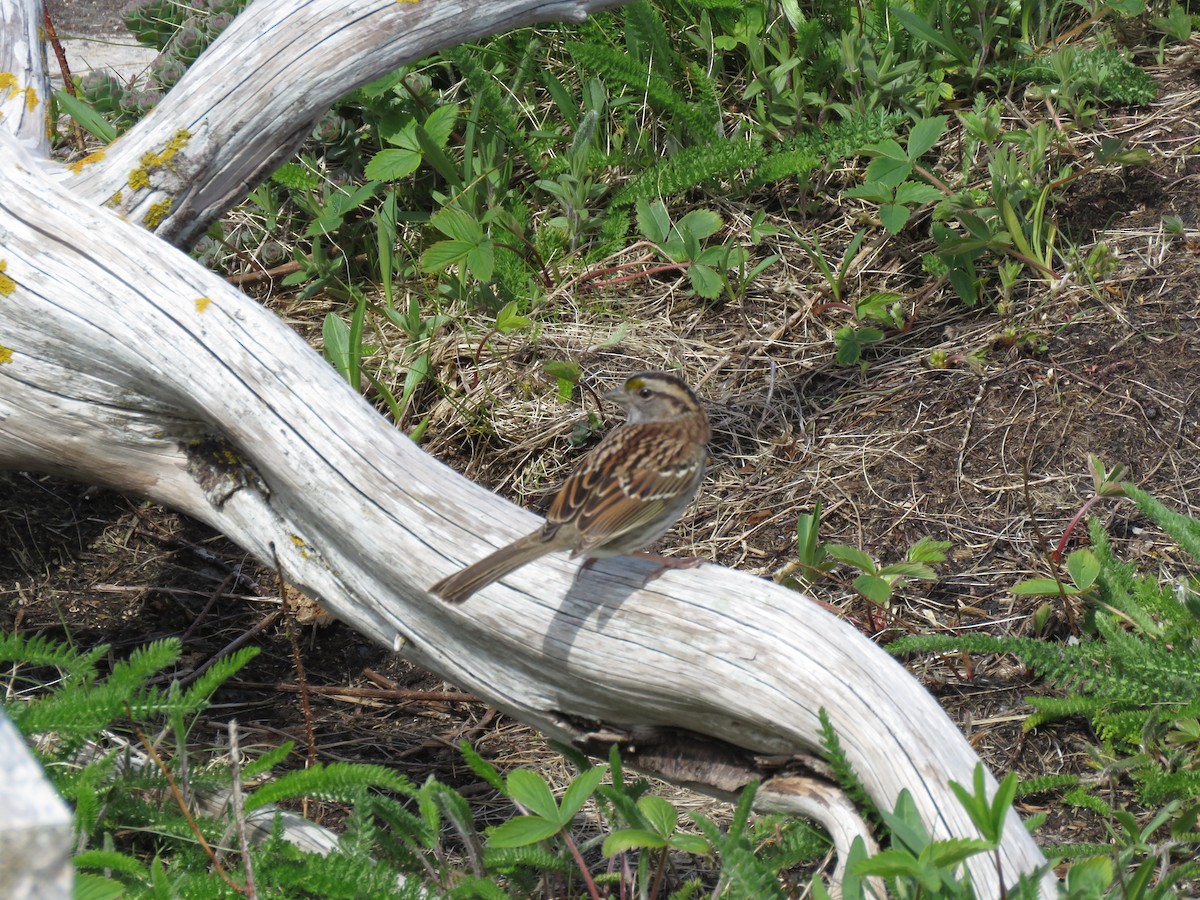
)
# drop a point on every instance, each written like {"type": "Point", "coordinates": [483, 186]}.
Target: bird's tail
{"type": "Point", "coordinates": [462, 584]}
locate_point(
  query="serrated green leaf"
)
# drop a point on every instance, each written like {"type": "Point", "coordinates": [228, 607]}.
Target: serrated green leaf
{"type": "Point", "coordinates": [851, 556]}
{"type": "Point", "coordinates": [481, 260]}
{"type": "Point", "coordinates": [392, 165]}
{"type": "Point", "coordinates": [924, 135]}
{"type": "Point", "coordinates": [458, 225]}
{"type": "Point", "coordinates": [662, 816]}
{"type": "Point", "coordinates": [951, 852]}
{"type": "Point", "coordinates": [440, 124]}
{"type": "Point", "coordinates": [444, 254]}
{"type": "Point", "coordinates": [653, 221]}
{"type": "Point", "coordinates": [874, 588]}
{"type": "Point", "coordinates": [1084, 568]}
{"type": "Point", "coordinates": [690, 843]}
{"type": "Point", "coordinates": [632, 839]}
{"type": "Point", "coordinates": [889, 172]}
{"type": "Point", "coordinates": [928, 550]}
{"type": "Point", "coordinates": [522, 831]}
{"type": "Point", "coordinates": [508, 319]}
{"type": "Point", "coordinates": [581, 788]}
{"type": "Point", "coordinates": [894, 217]}
{"type": "Point", "coordinates": [909, 569]}
{"type": "Point", "coordinates": [915, 192]}
{"type": "Point", "coordinates": [530, 790]}
{"type": "Point", "coordinates": [701, 223]}
{"type": "Point", "coordinates": [705, 281]}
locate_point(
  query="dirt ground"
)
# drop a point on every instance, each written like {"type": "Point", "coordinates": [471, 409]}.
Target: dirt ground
{"type": "Point", "coordinates": [989, 453]}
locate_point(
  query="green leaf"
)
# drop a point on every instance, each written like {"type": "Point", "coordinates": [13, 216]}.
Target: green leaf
{"type": "Point", "coordinates": [522, 831]}
{"type": "Point", "coordinates": [889, 864]}
{"type": "Point", "coordinates": [392, 165]}
{"type": "Point", "coordinates": [509, 320]}
{"type": "Point", "coordinates": [928, 550]}
{"type": "Point", "coordinates": [852, 556]}
{"type": "Point", "coordinates": [1089, 877]}
{"type": "Point", "coordinates": [296, 177]}
{"type": "Point", "coordinates": [581, 788]}
{"type": "Point", "coordinates": [440, 124]}
{"type": "Point", "coordinates": [1037, 587]}
{"type": "Point", "coordinates": [876, 192]}
{"type": "Point", "coordinates": [653, 220]}
{"type": "Point", "coordinates": [948, 853]}
{"type": "Point", "coordinates": [456, 224]}
{"type": "Point", "coordinates": [690, 843]}
{"type": "Point", "coordinates": [886, 171]}
{"type": "Point", "coordinates": [909, 569]}
{"type": "Point", "coordinates": [632, 839]}
{"type": "Point", "coordinates": [662, 816]}
{"type": "Point", "coordinates": [1084, 568]}
{"type": "Point", "coordinates": [874, 588]}
{"type": "Point", "coordinates": [336, 335]}
{"type": "Point", "coordinates": [530, 790]}
{"type": "Point", "coordinates": [915, 192]}
{"type": "Point", "coordinates": [924, 135]}
{"type": "Point", "coordinates": [87, 117]}
{"type": "Point", "coordinates": [701, 223]}
{"type": "Point", "coordinates": [705, 281]}
{"type": "Point", "coordinates": [849, 348]}
{"type": "Point", "coordinates": [443, 254]}
{"type": "Point", "coordinates": [894, 217]}
{"type": "Point", "coordinates": [481, 260]}
{"type": "Point", "coordinates": [96, 887]}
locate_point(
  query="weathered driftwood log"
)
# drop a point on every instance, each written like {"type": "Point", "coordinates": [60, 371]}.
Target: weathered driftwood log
{"type": "Point", "coordinates": [124, 363]}
{"type": "Point", "coordinates": [35, 830]}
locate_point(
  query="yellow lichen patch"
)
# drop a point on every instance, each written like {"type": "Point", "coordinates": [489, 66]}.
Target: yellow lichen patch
{"type": "Point", "coordinates": [8, 85]}
{"type": "Point", "coordinates": [114, 201]}
{"type": "Point", "coordinates": [7, 285]}
{"type": "Point", "coordinates": [202, 303]}
{"type": "Point", "coordinates": [174, 145]}
{"type": "Point", "coordinates": [5, 355]}
{"type": "Point", "coordinates": [139, 178]}
{"type": "Point", "coordinates": [94, 157]}
{"type": "Point", "coordinates": [31, 99]}
{"type": "Point", "coordinates": [156, 213]}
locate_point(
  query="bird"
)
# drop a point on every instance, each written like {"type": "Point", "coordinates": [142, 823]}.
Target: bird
{"type": "Point", "coordinates": [624, 495]}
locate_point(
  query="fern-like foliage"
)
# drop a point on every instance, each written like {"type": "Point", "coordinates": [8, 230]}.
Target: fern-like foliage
{"type": "Point", "coordinates": [692, 166]}
{"type": "Point", "coordinates": [1108, 74]}
{"type": "Point", "coordinates": [1136, 676]}
{"type": "Point", "coordinates": [695, 122]}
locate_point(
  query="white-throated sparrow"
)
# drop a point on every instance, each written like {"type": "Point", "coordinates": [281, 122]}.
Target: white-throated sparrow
{"type": "Point", "coordinates": [625, 493]}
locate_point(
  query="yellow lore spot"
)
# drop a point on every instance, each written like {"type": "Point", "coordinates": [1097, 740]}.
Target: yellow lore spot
{"type": "Point", "coordinates": [202, 303]}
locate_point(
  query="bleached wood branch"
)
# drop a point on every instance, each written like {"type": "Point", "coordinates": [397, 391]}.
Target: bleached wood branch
{"type": "Point", "coordinates": [124, 363]}
{"type": "Point", "coordinates": [35, 829]}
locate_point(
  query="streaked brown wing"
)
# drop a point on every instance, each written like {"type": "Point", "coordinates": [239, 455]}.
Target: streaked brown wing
{"type": "Point", "coordinates": [651, 469]}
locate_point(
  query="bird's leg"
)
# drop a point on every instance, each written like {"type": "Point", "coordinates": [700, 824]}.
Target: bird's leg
{"type": "Point", "coordinates": [668, 562]}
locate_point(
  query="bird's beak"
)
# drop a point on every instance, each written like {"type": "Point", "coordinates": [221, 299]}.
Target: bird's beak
{"type": "Point", "coordinates": [617, 397]}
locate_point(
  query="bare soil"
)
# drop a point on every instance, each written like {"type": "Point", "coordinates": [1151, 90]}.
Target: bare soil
{"type": "Point", "coordinates": [989, 453]}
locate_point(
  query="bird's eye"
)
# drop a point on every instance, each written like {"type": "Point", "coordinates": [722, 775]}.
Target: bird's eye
{"type": "Point", "coordinates": [645, 393]}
